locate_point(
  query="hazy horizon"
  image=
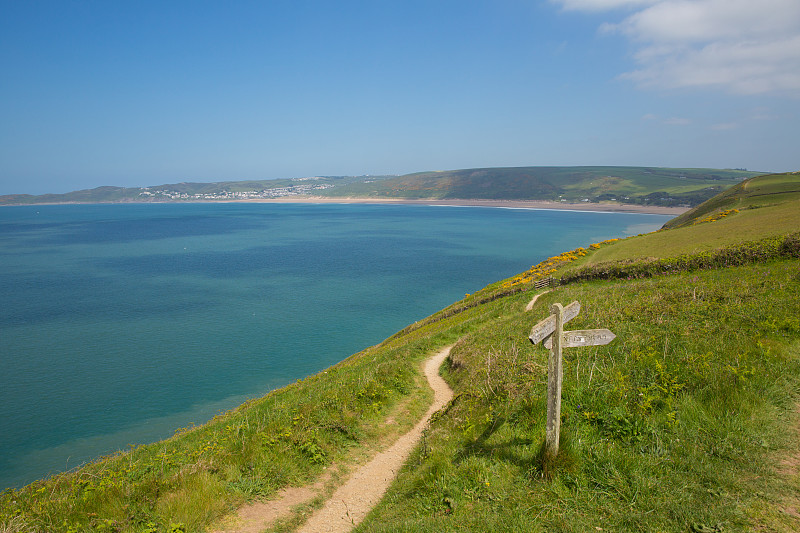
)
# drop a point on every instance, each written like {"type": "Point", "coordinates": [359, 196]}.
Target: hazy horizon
{"type": "Point", "coordinates": [142, 186]}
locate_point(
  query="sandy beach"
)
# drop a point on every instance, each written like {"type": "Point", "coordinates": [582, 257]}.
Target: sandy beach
{"type": "Point", "coordinates": [611, 207]}
{"type": "Point", "coordinates": [607, 207]}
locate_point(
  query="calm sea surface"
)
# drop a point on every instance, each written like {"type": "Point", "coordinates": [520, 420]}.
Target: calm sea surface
{"type": "Point", "coordinates": [121, 323]}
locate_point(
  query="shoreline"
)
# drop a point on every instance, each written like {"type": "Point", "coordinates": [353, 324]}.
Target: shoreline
{"type": "Point", "coordinates": [605, 207]}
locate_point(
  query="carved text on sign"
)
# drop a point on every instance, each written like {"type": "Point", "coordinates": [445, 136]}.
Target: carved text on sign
{"type": "Point", "coordinates": [585, 337]}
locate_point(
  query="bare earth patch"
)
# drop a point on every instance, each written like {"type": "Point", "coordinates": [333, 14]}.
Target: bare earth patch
{"type": "Point", "coordinates": [257, 516]}
{"type": "Point", "coordinates": [351, 502]}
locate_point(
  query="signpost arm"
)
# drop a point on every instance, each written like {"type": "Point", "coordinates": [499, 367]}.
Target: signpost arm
{"type": "Point", "coordinates": [554, 377]}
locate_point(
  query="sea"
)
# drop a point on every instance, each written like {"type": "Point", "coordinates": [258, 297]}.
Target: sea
{"type": "Point", "coordinates": [120, 323]}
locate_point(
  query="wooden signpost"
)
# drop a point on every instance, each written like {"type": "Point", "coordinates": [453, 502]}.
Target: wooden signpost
{"type": "Point", "coordinates": [551, 330]}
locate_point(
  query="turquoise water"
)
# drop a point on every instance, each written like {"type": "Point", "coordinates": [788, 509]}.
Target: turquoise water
{"type": "Point", "coordinates": [121, 323]}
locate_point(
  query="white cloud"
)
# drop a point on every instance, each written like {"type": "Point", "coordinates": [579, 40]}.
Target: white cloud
{"type": "Point", "coordinates": [739, 67]}
{"type": "Point", "coordinates": [699, 21]}
{"type": "Point", "coordinates": [741, 46]}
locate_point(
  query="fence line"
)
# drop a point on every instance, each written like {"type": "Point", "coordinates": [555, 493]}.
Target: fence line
{"type": "Point", "coordinates": [546, 282]}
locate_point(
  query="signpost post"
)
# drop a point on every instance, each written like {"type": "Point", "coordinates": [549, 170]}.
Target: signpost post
{"type": "Point", "coordinates": [551, 330]}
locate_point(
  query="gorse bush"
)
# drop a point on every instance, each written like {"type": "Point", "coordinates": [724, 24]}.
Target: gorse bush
{"type": "Point", "coordinates": [523, 282]}
{"type": "Point", "coordinates": [549, 266]}
{"type": "Point", "coordinates": [790, 247]}
{"type": "Point", "coordinates": [716, 216]}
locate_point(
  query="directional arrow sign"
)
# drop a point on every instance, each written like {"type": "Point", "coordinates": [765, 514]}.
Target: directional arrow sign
{"type": "Point", "coordinates": [551, 329]}
{"type": "Point", "coordinates": [585, 337]}
{"type": "Point", "coordinates": [547, 326]}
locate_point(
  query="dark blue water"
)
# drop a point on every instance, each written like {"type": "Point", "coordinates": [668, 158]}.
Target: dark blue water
{"type": "Point", "coordinates": [121, 323]}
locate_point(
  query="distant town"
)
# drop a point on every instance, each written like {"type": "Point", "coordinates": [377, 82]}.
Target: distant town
{"type": "Point", "coordinates": [293, 190]}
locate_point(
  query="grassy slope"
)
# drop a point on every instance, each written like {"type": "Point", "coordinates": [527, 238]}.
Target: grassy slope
{"type": "Point", "coordinates": [751, 194]}
{"type": "Point", "coordinates": [753, 221]}
{"type": "Point", "coordinates": [549, 183]}
{"type": "Point", "coordinates": [675, 423]}
{"type": "Point", "coordinates": [681, 424]}
{"type": "Point", "coordinates": [283, 439]}
{"type": "Point", "coordinates": [678, 423]}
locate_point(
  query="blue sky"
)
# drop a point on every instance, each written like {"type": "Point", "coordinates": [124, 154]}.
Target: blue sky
{"type": "Point", "coordinates": [142, 93]}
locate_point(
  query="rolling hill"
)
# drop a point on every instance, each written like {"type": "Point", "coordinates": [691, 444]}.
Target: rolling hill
{"type": "Point", "coordinates": [634, 185]}
{"type": "Point", "coordinates": [639, 185]}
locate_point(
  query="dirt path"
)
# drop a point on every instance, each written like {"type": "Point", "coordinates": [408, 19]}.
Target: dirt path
{"type": "Point", "coordinates": [530, 305]}
{"type": "Point", "coordinates": [351, 502]}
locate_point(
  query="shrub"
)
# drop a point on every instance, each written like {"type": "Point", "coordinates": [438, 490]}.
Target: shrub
{"type": "Point", "coordinates": [736, 255]}
{"type": "Point", "coordinates": [790, 247]}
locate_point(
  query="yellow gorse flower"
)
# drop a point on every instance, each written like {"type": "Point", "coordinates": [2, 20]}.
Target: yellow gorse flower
{"type": "Point", "coordinates": [549, 266]}
{"type": "Point", "coordinates": [713, 218]}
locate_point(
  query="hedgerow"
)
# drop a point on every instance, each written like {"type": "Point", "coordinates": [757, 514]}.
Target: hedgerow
{"type": "Point", "coordinates": [740, 254]}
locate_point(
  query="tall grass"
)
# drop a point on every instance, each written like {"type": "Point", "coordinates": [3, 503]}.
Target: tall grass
{"type": "Point", "coordinates": [673, 426]}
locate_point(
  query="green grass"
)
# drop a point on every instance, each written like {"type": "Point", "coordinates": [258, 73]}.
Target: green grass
{"type": "Point", "coordinates": [673, 424]}
{"type": "Point", "coordinates": [755, 193]}
{"type": "Point", "coordinates": [767, 206]}
{"type": "Point", "coordinates": [285, 438]}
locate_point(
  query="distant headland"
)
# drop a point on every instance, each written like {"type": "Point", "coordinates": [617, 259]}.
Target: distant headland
{"type": "Point", "coordinates": [601, 188]}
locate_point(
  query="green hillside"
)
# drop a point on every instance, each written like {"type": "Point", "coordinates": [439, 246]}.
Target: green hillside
{"type": "Point", "coordinates": [759, 207]}
{"type": "Point", "coordinates": [639, 185]}
{"type": "Point", "coordinates": [633, 185]}
{"type": "Point", "coordinates": [687, 421]}
{"type": "Point", "coordinates": [766, 190]}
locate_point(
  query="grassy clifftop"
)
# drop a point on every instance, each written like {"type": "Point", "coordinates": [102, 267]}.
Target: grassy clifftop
{"type": "Point", "coordinates": [763, 191]}
{"type": "Point", "coordinates": [686, 422]}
